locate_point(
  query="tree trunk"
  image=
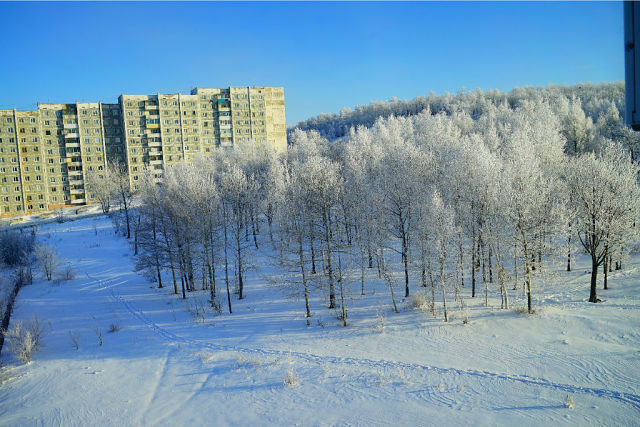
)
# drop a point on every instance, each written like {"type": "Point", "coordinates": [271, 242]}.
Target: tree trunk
{"type": "Point", "coordinates": [253, 229]}
{"type": "Point", "coordinates": [606, 270]}
{"type": "Point", "coordinates": [327, 235]}
{"type": "Point", "coordinates": [389, 281]}
{"type": "Point", "coordinates": [405, 260]}
{"type": "Point", "coordinates": [343, 307]}
{"type": "Point", "coordinates": [569, 249]}
{"type": "Point", "coordinates": [126, 213]}
{"type": "Point", "coordinates": [155, 250]}
{"type": "Point", "coordinates": [442, 285]}
{"type": "Point", "coordinates": [490, 266]}
{"type": "Point", "coordinates": [460, 259]}
{"type": "Point", "coordinates": [313, 250]}
{"type": "Point", "coordinates": [515, 268]}
{"type": "Point", "coordinates": [362, 267]}
{"type": "Point", "coordinates": [527, 270]}
{"type": "Point", "coordinates": [594, 277]}
{"type": "Point", "coordinates": [473, 264]}
{"type": "Point", "coordinates": [240, 282]}
{"type": "Point", "coordinates": [423, 262]}
{"type": "Point", "coordinates": [135, 237]}
{"type": "Point", "coordinates": [270, 223]}
{"type": "Point", "coordinates": [304, 276]}
{"type": "Point", "coordinates": [184, 293]}
{"type": "Point", "coordinates": [226, 260]}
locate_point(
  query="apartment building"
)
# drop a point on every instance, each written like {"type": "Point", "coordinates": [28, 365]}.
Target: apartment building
{"type": "Point", "coordinates": [45, 155]}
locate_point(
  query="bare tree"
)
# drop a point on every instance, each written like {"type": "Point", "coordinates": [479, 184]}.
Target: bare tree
{"type": "Point", "coordinates": [101, 187]}
{"type": "Point", "coordinates": [48, 259]}
{"type": "Point", "coordinates": [121, 191]}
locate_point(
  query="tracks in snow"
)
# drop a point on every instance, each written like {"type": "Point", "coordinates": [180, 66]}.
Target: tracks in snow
{"type": "Point", "coordinates": [628, 398]}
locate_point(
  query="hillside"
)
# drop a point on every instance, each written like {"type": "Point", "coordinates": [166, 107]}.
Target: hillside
{"type": "Point", "coordinates": [595, 99]}
{"type": "Point", "coordinates": [170, 361]}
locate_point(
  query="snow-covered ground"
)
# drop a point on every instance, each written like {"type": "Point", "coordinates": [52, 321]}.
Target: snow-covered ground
{"type": "Point", "coordinates": [165, 366]}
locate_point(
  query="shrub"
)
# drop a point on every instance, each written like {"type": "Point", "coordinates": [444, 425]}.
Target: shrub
{"type": "Point", "coordinates": [290, 378]}
{"type": "Point", "coordinates": [99, 332]}
{"type": "Point", "coordinates": [381, 322]}
{"type": "Point", "coordinates": [15, 246]}
{"type": "Point", "coordinates": [25, 340]}
{"type": "Point", "coordinates": [464, 312]}
{"type": "Point", "coordinates": [69, 273]}
{"type": "Point", "coordinates": [74, 337]}
{"type": "Point", "coordinates": [568, 401]}
{"type": "Point", "coordinates": [59, 216]}
{"type": "Point", "coordinates": [420, 301]}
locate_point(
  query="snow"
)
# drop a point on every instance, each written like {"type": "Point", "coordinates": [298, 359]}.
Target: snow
{"type": "Point", "coordinates": [166, 366]}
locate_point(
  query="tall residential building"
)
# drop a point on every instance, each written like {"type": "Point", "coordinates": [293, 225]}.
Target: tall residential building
{"type": "Point", "coordinates": [45, 155]}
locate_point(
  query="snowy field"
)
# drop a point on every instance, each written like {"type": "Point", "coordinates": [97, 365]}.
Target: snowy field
{"type": "Point", "coordinates": [163, 365]}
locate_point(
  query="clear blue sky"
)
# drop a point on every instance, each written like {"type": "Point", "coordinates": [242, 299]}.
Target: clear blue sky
{"type": "Point", "coordinates": [326, 55]}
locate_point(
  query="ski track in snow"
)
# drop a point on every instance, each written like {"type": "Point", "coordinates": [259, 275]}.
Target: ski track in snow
{"type": "Point", "coordinates": [628, 398]}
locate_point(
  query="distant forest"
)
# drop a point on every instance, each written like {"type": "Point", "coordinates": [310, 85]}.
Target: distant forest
{"type": "Point", "coordinates": [595, 101]}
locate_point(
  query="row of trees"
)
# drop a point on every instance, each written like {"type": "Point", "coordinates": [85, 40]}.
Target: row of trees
{"type": "Point", "coordinates": [450, 200]}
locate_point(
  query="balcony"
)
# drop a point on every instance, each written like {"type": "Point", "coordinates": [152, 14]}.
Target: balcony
{"type": "Point", "coordinates": [71, 126]}
{"type": "Point", "coordinates": [70, 144]}
{"type": "Point", "coordinates": [77, 191]}
{"type": "Point", "coordinates": [153, 125]}
{"type": "Point", "coordinates": [155, 162]}
{"type": "Point", "coordinates": [74, 173]}
{"type": "Point", "coordinates": [71, 135]}
{"type": "Point", "coordinates": [76, 180]}
{"type": "Point", "coordinates": [78, 201]}
{"type": "Point", "coordinates": [151, 106]}
{"type": "Point", "coordinates": [154, 144]}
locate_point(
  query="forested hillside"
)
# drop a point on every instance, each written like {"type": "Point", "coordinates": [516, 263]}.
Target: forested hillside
{"type": "Point", "coordinates": [595, 100]}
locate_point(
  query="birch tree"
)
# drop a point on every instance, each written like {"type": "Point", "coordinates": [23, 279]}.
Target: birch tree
{"type": "Point", "coordinates": [607, 204]}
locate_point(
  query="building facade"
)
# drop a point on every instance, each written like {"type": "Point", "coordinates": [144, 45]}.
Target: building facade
{"type": "Point", "coordinates": [45, 155]}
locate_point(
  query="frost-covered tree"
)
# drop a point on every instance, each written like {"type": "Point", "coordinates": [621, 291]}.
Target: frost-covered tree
{"type": "Point", "coordinates": [577, 129]}
{"type": "Point", "coordinates": [48, 259]}
{"type": "Point", "coordinates": [238, 192]}
{"type": "Point", "coordinates": [150, 256]}
{"type": "Point", "coordinates": [531, 195]}
{"type": "Point", "coordinates": [122, 194]}
{"type": "Point", "coordinates": [606, 200]}
{"type": "Point", "coordinates": [292, 208]}
{"type": "Point", "coordinates": [101, 187]}
{"type": "Point", "coordinates": [402, 179]}
{"type": "Point", "coordinates": [442, 224]}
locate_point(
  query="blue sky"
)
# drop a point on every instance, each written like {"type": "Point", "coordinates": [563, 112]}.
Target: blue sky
{"type": "Point", "coordinates": [326, 55]}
